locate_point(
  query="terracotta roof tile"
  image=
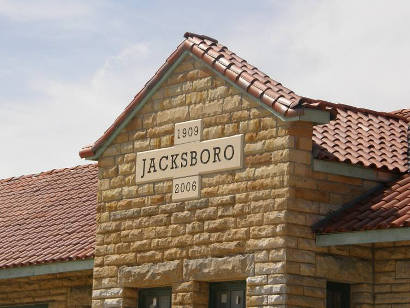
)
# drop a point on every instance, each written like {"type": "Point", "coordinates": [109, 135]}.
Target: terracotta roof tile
{"type": "Point", "coordinates": [387, 207]}
{"type": "Point", "coordinates": [48, 217]}
{"type": "Point", "coordinates": [363, 137]}
{"type": "Point", "coordinates": [405, 113]}
{"type": "Point", "coordinates": [245, 75]}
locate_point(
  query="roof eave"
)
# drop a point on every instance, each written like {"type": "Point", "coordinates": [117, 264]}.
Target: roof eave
{"type": "Point", "coordinates": [355, 170]}
{"type": "Point", "coordinates": [363, 237]}
{"type": "Point", "coordinates": [47, 269]}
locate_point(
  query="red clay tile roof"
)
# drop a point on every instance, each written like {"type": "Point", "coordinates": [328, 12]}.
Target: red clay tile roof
{"type": "Point", "coordinates": [246, 76]}
{"type": "Point", "coordinates": [363, 137]}
{"type": "Point", "coordinates": [388, 207]}
{"type": "Point", "coordinates": [405, 113]}
{"type": "Point", "coordinates": [48, 217]}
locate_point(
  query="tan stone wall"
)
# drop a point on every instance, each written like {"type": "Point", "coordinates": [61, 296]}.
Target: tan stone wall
{"type": "Point", "coordinates": [392, 275]}
{"type": "Point", "coordinates": [309, 267]}
{"type": "Point", "coordinates": [71, 290]}
{"type": "Point", "coordinates": [252, 224]}
{"type": "Point", "coordinates": [241, 213]}
{"type": "Point", "coordinates": [312, 196]}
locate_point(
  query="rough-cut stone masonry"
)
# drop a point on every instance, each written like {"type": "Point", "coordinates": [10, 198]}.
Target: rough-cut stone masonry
{"type": "Point", "coordinates": [252, 224]}
{"type": "Point", "coordinates": [392, 275]}
{"type": "Point", "coordinates": [66, 290]}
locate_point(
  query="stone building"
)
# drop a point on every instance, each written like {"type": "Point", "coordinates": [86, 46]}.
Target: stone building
{"type": "Point", "coordinates": [218, 187]}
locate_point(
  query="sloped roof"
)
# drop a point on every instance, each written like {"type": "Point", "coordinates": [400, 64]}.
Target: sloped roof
{"type": "Point", "coordinates": [405, 113]}
{"type": "Point", "coordinates": [363, 137]}
{"type": "Point", "coordinates": [385, 208]}
{"type": "Point", "coordinates": [357, 136]}
{"type": "Point", "coordinates": [243, 74]}
{"type": "Point", "coordinates": [48, 217]}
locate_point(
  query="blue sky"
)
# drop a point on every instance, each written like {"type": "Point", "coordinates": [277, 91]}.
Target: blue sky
{"type": "Point", "coordinates": [68, 68]}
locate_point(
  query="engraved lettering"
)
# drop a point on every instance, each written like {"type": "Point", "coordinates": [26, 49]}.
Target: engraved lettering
{"type": "Point", "coordinates": [217, 151]}
{"type": "Point", "coordinates": [143, 167]}
{"type": "Point", "coordinates": [193, 158]}
{"type": "Point", "coordinates": [174, 161]}
{"type": "Point", "coordinates": [226, 154]}
{"type": "Point", "coordinates": [160, 163]}
{"type": "Point", "coordinates": [184, 160]}
{"type": "Point", "coordinates": [152, 166]}
{"type": "Point", "coordinates": [207, 156]}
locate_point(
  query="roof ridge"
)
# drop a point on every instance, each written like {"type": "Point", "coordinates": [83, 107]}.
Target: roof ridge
{"type": "Point", "coordinates": [400, 110]}
{"type": "Point", "coordinates": [52, 171]}
{"type": "Point", "coordinates": [201, 36]}
{"type": "Point", "coordinates": [405, 113]}
{"type": "Point", "coordinates": [358, 109]}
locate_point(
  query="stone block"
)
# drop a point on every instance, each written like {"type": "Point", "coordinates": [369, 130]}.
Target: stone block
{"type": "Point", "coordinates": [219, 269]}
{"type": "Point", "coordinates": [227, 248]}
{"type": "Point", "coordinates": [172, 115]}
{"type": "Point", "coordinates": [201, 84]}
{"type": "Point", "coordinates": [403, 269]}
{"type": "Point", "coordinates": [219, 224]}
{"type": "Point", "coordinates": [342, 268]}
{"type": "Point", "coordinates": [150, 275]}
{"type": "Point", "coordinates": [107, 293]}
{"type": "Point", "coordinates": [270, 268]}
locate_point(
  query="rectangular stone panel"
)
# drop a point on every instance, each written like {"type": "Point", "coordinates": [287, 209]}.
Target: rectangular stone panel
{"type": "Point", "coordinates": [150, 275]}
{"type": "Point", "coordinates": [186, 188]}
{"type": "Point", "coordinates": [189, 131]}
{"type": "Point", "coordinates": [219, 269]}
{"type": "Point", "coordinates": [189, 159]}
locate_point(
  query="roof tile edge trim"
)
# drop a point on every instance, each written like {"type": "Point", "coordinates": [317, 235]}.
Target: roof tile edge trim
{"type": "Point", "coordinates": [41, 173]}
{"type": "Point", "coordinates": [48, 268]}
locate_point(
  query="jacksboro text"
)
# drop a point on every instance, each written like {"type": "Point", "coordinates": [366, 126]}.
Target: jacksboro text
{"type": "Point", "coordinates": [186, 159]}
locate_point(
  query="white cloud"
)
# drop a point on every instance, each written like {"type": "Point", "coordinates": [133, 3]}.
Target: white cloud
{"type": "Point", "coordinates": [353, 52]}
{"type": "Point", "coordinates": [40, 10]}
{"type": "Point", "coordinates": [70, 115]}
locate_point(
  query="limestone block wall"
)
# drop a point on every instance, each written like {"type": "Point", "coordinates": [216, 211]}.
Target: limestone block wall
{"type": "Point", "coordinates": [252, 224]}
{"type": "Point", "coordinates": [311, 196]}
{"type": "Point", "coordinates": [65, 290]}
{"type": "Point", "coordinates": [392, 275]}
{"type": "Point", "coordinates": [241, 214]}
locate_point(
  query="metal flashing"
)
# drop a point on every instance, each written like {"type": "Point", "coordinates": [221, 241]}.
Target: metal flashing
{"type": "Point", "coordinates": [352, 171]}
{"type": "Point", "coordinates": [315, 116]}
{"type": "Point", "coordinates": [363, 237]}
{"type": "Point", "coordinates": [45, 269]}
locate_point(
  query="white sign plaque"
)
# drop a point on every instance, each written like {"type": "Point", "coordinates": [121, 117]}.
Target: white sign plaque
{"type": "Point", "coordinates": [186, 188]}
{"type": "Point", "coordinates": [189, 131]}
{"type": "Point", "coordinates": [188, 159]}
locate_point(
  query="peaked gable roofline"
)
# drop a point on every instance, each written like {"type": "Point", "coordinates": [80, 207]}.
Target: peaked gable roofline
{"type": "Point", "coordinates": [281, 100]}
{"type": "Point", "coordinates": [272, 94]}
